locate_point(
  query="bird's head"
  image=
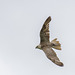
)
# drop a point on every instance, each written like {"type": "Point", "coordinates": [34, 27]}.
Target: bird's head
{"type": "Point", "coordinates": [39, 46]}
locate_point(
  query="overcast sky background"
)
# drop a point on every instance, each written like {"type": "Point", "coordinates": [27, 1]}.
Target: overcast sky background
{"type": "Point", "coordinates": [20, 24]}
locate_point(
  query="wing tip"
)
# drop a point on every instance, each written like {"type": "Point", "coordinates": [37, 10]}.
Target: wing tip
{"type": "Point", "coordinates": [61, 64]}
{"type": "Point", "coordinates": [49, 18]}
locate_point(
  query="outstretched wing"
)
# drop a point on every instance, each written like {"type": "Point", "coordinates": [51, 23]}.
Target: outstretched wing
{"type": "Point", "coordinates": [44, 33]}
{"type": "Point", "coordinates": [52, 56]}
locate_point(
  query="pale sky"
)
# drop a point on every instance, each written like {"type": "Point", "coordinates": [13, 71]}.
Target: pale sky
{"type": "Point", "coordinates": [20, 24]}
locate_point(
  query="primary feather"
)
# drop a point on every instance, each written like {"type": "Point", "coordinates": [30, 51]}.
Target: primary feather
{"type": "Point", "coordinates": [52, 55]}
{"type": "Point", "coordinates": [44, 33]}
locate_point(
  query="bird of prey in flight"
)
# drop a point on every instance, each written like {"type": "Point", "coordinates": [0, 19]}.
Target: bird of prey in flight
{"type": "Point", "coordinates": [47, 46]}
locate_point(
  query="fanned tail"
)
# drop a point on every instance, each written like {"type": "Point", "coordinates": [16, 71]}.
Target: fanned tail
{"type": "Point", "coordinates": [56, 44]}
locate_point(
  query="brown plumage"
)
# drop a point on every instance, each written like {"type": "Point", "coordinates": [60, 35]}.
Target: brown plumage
{"type": "Point", "coordinates": [47, 46]}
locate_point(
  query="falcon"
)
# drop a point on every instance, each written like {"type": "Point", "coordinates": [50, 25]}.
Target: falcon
{"type": "Point", "coordinates": [47, 46]}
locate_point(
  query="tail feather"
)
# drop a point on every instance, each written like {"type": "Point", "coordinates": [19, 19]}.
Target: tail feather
{"type": "Point", "coordinates": [57, 47]}
{"type": "Point", "coordinates": [56, 44]}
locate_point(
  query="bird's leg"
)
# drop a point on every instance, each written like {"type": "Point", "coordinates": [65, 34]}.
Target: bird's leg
{"type": "Point", "coordinates": [56, 44]}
